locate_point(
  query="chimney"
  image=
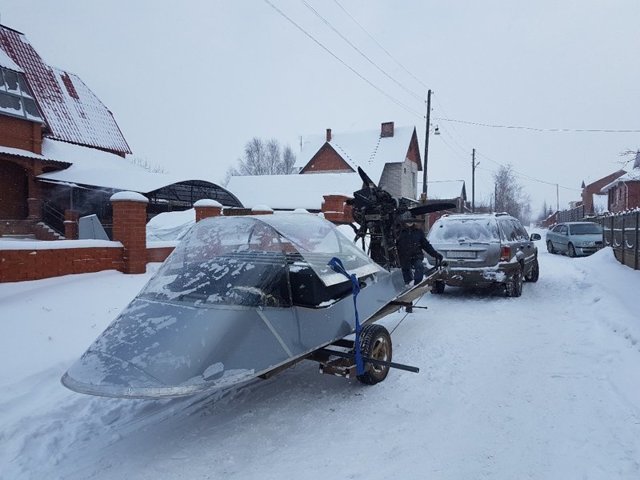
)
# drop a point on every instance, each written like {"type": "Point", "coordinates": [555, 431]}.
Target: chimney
{"type": "Point", "coordinates": [386, 129]}
{"type": "Point", "coordinates": [328, 134]}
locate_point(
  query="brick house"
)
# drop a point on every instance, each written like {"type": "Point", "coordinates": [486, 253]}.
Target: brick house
{"type": "Point", "coordinates": [390, 156]}
{"type": "Point", "coordinates": [62, 152]}
{"type": "Point", "coordinates": [624, 192]}
{"type": "Point", "coordinates": [591, 193]}
{"type": "Point", "coordinates": [326, 171]}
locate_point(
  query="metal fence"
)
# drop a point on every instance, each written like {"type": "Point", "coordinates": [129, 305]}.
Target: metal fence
{"type": "Point", "coordinates": [621, 232]}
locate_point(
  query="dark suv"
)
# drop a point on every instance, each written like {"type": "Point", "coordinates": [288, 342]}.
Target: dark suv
{"type": "Point", "coordinates": [483, 250]}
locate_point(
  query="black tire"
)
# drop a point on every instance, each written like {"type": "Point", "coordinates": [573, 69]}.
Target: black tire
{"type": "Point", "coordinates": [513, 287]}
{"type": "Point", "coordinates": [571, 251]}
{"type": "Point", "coordinates": [375, 342]}
{"type": "Point", "coordinates": [534, 272]}
{"type": "Point", "coordinates": [550, 248]}
{"type": "Point", "coordinates": [438, 287]}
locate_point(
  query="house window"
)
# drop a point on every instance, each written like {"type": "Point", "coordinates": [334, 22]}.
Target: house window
{"type": "Point", "coordinates": [15, 97]}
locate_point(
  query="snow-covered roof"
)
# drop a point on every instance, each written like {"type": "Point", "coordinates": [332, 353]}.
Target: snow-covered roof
{"type": "Point", "coordinates": [6, 62]}
{"type": "Point", "coordinates": [21, 153]}
{"type": "Point", "coordinates": [365, 149]}
{"type": "Point", "coordinates": [101, 169]}
{"type": "Point", "coordinates": [292, 191]}
{"type": "Point", "coordinates": [444, 189]}
{"type": "Point", "coordinates": [71, 111]}
{"type": "Point", "coordinates": [632, 176]}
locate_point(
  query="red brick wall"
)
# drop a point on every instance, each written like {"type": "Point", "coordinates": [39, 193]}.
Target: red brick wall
{"type": "Point", "coordinates": [13, 190]}
{"type": "Point", "coordinates": [158, 254]}
{"type": "Point", "coordinates": [22, 134]}
{"type": "Point", "coordinates": [207, 211]}
{"type": "Point", "coordinates": [327, 159]}
{"type": "Point", "coordinates": [634, 194]}
{"type": "Point", "coordinates": [624, 196]}
{"type": "Point", "coordinates": [19, 265]}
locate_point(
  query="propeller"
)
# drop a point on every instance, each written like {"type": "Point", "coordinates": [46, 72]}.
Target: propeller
{"type": "Point", "coordinates": [365, 178]}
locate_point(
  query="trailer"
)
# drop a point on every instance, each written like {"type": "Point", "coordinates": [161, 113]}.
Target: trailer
{"type": "Point", "coordinates": [243, 298]}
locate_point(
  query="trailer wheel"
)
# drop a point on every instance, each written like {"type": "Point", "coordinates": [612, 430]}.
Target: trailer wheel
{"type": "Point", "coordinates": [375, 342]}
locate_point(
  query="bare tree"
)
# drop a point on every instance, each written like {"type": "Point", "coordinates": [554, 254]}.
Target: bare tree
{"type": "Point", "coordinates": [144, 163]}
{"type": "Point", "coordinates": [509, 196]}
{"type": "Point", "coordinates": [263, 158]}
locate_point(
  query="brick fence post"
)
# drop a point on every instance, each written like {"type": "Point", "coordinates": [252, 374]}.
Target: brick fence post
{"type": "Point", "coordinates": [336, 210]}
{"type": "Point", "coordinates": [130, 229]}
{"type": "Point", "coordinates": [207, 208]}
{"type": "Point", "coordinates": [71, 218]}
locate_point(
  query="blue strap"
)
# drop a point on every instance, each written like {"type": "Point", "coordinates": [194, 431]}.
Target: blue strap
{"type": "Point", "coordinates": [337, 266]}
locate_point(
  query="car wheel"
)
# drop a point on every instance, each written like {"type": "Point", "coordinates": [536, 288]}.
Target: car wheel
{"type": "Point", "coordinates": [550, 248]}
{"type": "Point", "coordinates": [375, 342]}
{"type": "Point", "coordinates": [571, 250]}
{"type": "Point", "coordinates": [534, 273]}
{"type": "Point", "coordinates": [513, 287]}
{"type": "Point", "coordinates": [438, 287]}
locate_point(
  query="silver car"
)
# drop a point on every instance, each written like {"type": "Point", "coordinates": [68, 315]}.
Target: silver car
{"type": "Point", "coordinates": [575, 238]}
{"type": "Point", "coordinates": [485, 249]}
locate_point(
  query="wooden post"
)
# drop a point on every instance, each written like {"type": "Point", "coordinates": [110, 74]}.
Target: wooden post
{"type": "Point", "coordinates": [636, 266]}
{"type": "Point", "coordinates": [623, 242]}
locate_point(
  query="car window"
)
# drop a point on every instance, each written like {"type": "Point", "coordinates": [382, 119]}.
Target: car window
{"type": "Point", "coordinates": [557, 229]}
{"type": "Point", "coordinates": [563, 229]}
{"type": "Point", "coordinates": [508, 230]}
{"type": "Point", "coordinates": [467, 229]}
{"type": "Point", "coordinates": [586, 229]}
{"type": "Point", "coordinates": [520, 231]}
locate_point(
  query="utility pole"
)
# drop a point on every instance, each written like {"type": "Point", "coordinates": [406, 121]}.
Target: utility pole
{"type": "Point", "coordinates": [426, 147]}
{"type": "Point", "coordinates": [557, 198]}
{"type": "Point", "coordinates": [473, 180]}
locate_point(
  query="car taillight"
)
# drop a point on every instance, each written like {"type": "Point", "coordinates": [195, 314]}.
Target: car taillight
{"type": "Point", "coordinates": [505, 254]}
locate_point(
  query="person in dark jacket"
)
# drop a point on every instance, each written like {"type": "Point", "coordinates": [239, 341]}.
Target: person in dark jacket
{"type": "Point", "coordinates": [411, 243]}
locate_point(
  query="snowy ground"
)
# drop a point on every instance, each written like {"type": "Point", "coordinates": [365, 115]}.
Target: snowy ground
{"type": "Point", "coordinates": [546, 386]}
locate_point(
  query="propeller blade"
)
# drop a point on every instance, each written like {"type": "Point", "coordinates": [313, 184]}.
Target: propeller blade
{"type": "Point", "coordinates": [432, 207]}
{"type": "Point", "coordinates": [365, 178]}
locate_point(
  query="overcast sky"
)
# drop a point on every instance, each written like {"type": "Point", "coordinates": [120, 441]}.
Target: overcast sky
{"type": "Point", "coordinates": [191, 82]}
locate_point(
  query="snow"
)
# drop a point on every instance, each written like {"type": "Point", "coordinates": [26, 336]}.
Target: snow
{"type": "Point", "coordinates": [166, 228]}
{"type": "Point", "coordinates": [207, 203]}
{"type": "Point", "coordinates": [11, 244]}
{"type": "Point", "coordinates": [6, 62]}
{"type": "Point", "coordinates": [544, 386]}
{"type": "Point", "coordinates": [101, 169]}
{"type": "Point", "coordinates": [292, 191]}
{"type": "Point", "coordinates": [129, 196]}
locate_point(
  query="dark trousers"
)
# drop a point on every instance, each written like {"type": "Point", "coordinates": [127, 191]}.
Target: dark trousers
{"type": "Point", "coordinates": [413, 271]}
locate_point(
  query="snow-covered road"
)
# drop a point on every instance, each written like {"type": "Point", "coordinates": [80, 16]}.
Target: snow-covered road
{"type": "Point", "coordinates": [546, 386]}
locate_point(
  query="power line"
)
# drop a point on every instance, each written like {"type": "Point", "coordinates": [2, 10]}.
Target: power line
{"type": "Point", "coordinates": [379, 45]}
{"type": "Point", "coordinates": [411, 92]}
{"type": "Point", "coordinates": [536, 129]}
{"type": "Point", "coordinates": [394, 100]}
